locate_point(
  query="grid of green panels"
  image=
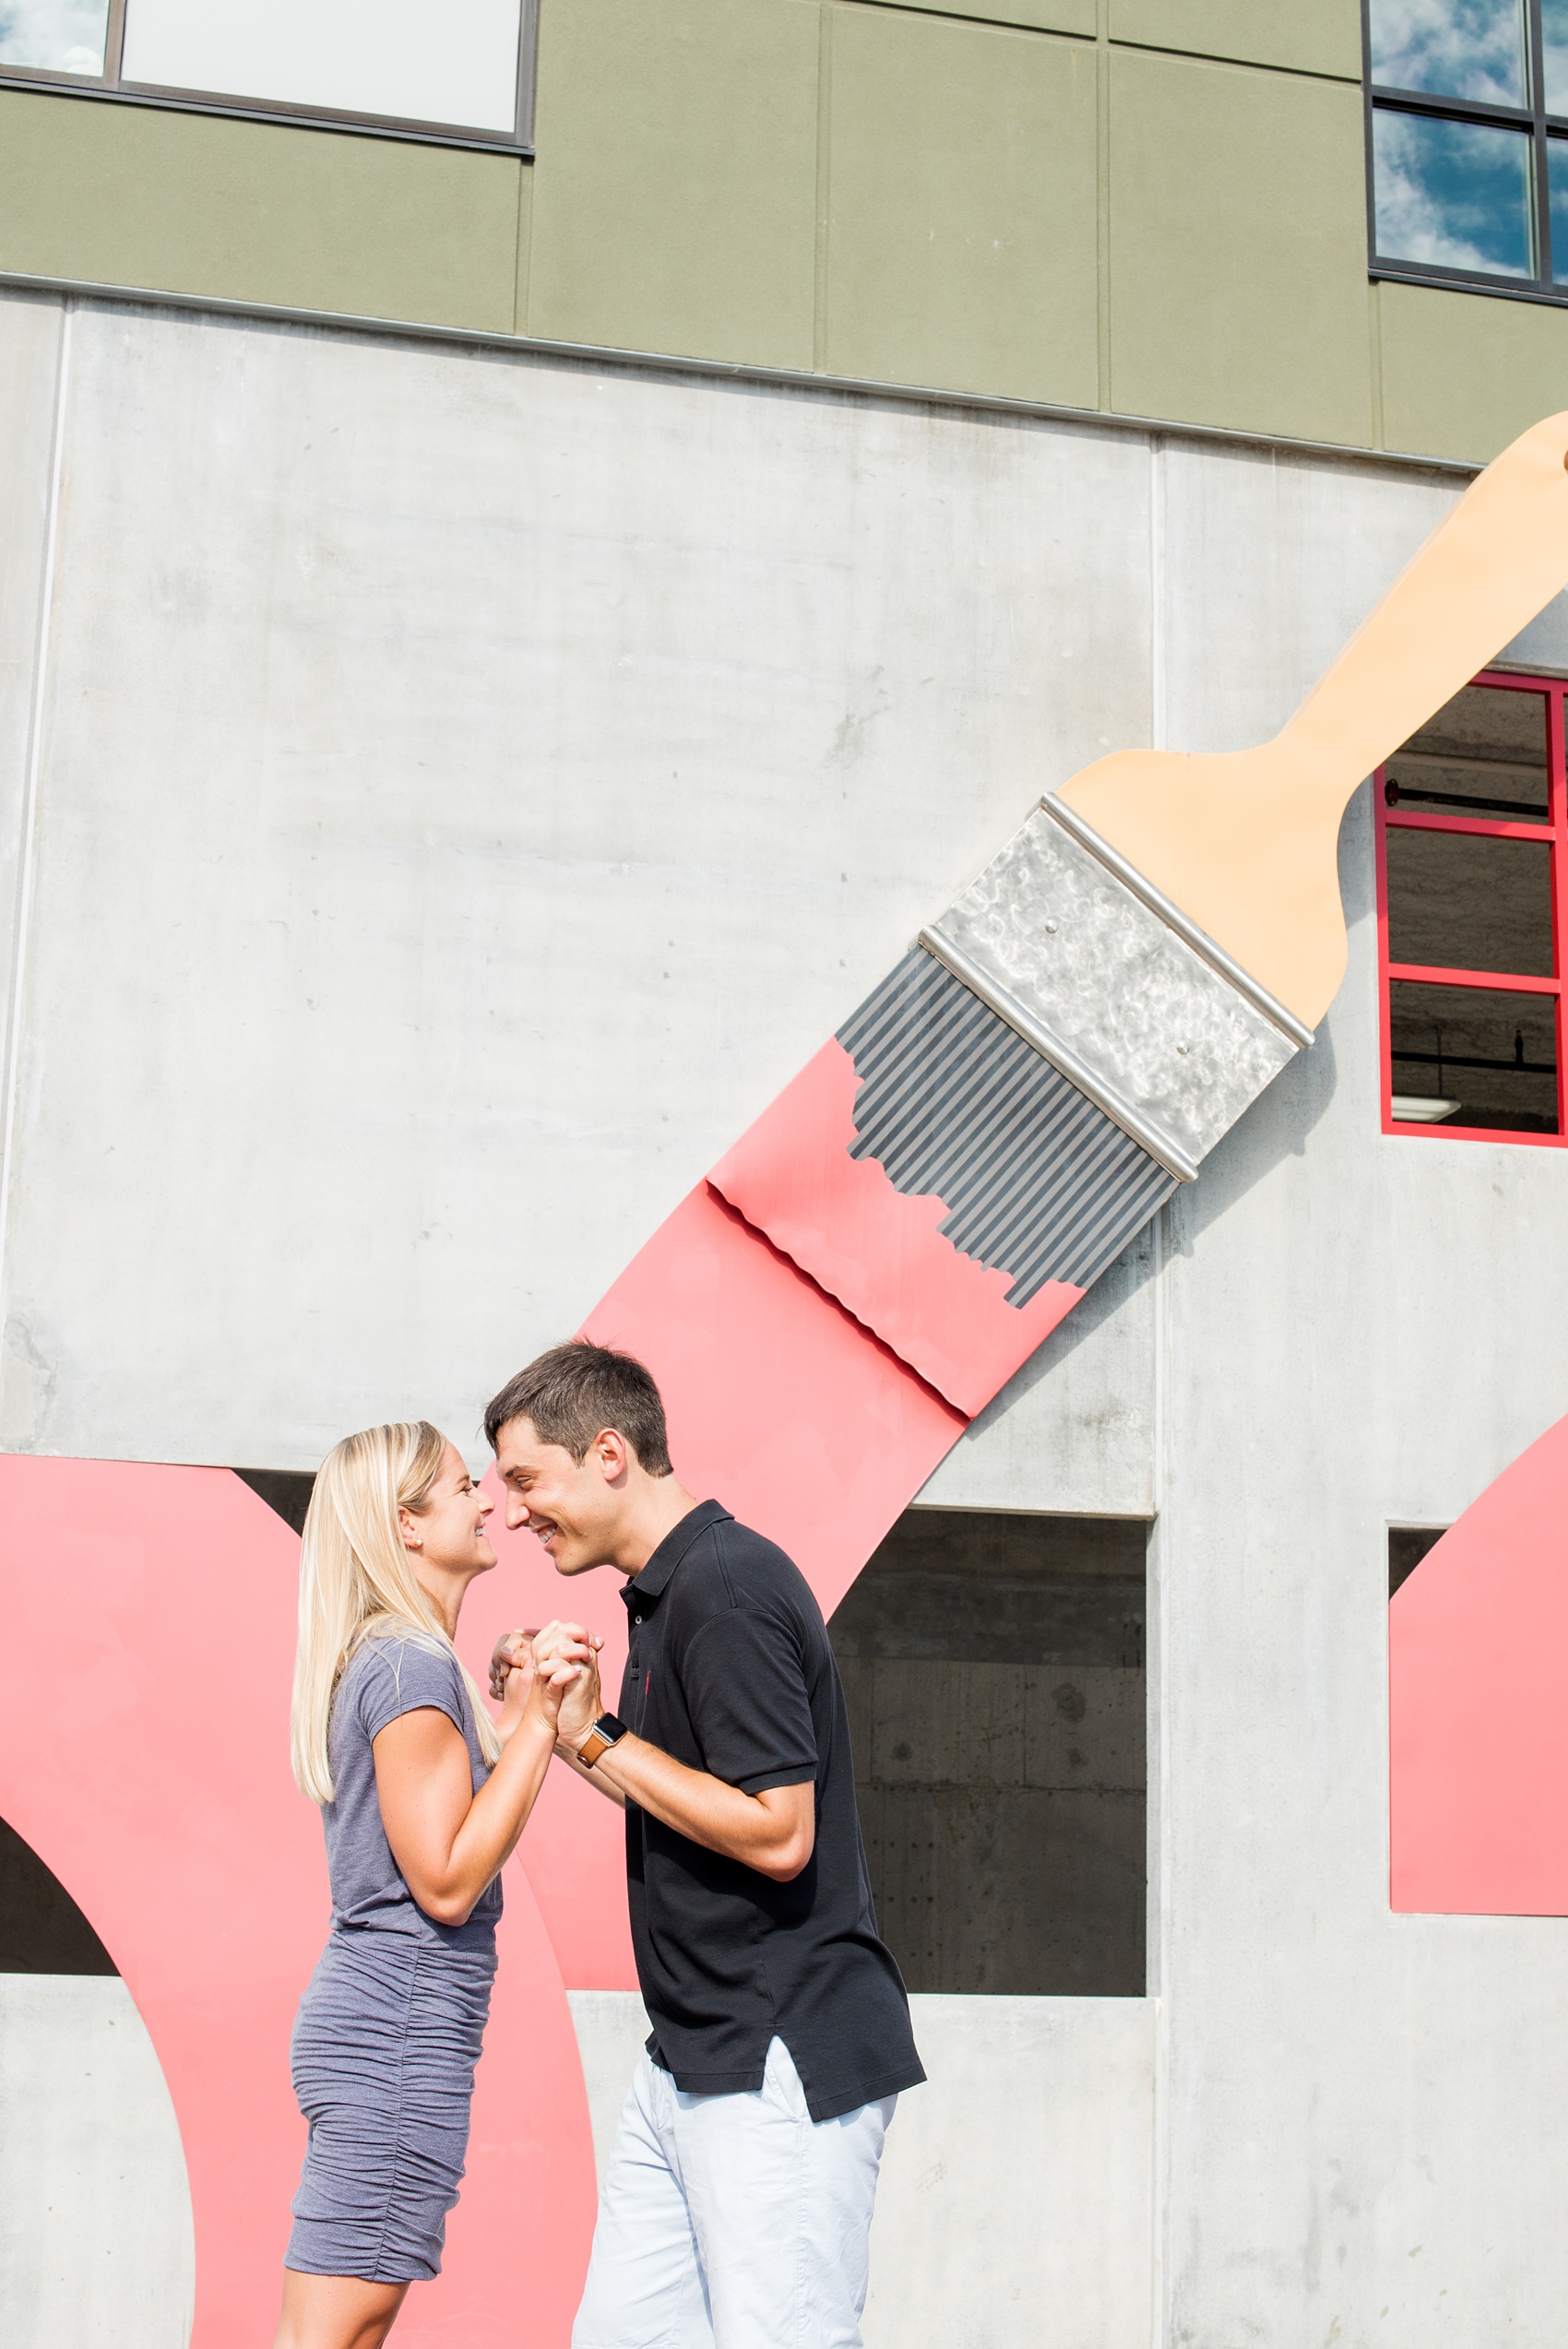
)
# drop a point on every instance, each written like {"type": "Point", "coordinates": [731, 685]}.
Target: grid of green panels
{"type": "Point", "coordinates": [1150, 207]}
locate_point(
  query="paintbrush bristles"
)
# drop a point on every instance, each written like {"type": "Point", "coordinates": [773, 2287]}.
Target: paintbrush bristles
{"type": "Point", "coordinates": [1245, 842]}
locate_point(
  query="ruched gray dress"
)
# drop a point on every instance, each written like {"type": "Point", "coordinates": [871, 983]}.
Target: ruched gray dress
{"type": "Point", "coordinates": [390, 2027]}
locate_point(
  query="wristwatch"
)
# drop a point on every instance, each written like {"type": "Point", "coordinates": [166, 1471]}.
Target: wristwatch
{"type": "Point", "coordinates": [606, 1731]}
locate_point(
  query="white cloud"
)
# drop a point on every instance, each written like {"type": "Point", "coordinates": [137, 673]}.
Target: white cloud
{"type": "Point", "coordinates": [1457, 48]}
{"type": "Point", "coordinates": [64, 36]}
{"type": "Point", "coordinates": [1445, 191]}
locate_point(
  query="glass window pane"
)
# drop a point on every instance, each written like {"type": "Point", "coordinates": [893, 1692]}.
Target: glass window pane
{"type": "Point", "coordinates": [1462, 902]}
{"type": "Point", "coordinates": [1484, 754]}
{"type": "Point", "coordinates": [1557, 181]}
{"type": "Point", "coordinates": [1473, 1056]}
{"type": "Point", "coordinates": [348, 56]}
{"type": "Point", "coordinates": [1454, 48]}
{"type": "Point", "coordinates": [59, 36]}
{"type": "Point", "coordinates": [1457, 195]}
{"type": "Point", "coordinates": [1554, 31]}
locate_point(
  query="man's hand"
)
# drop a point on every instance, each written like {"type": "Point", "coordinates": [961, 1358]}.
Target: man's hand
{"type": "Point", "coordinates": [583, 1701]}
{"type": "Point", "coordinates": [580, 1708]}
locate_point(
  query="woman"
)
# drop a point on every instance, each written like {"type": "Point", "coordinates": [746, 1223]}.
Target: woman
{"type": "Point", "coordinates": [423, 1797]}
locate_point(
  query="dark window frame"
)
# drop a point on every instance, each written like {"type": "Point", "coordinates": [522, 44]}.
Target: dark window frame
{"type": "Point", "coordinates": [109, 88]}
{"type": "Point", "coordinates": [1533, 118]}
{"type": "Point", "coordinates": [1553, 835]}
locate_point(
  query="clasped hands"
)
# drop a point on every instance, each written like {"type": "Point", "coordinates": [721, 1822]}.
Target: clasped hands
{"type": "Point", "coordinates": [522, 1660]}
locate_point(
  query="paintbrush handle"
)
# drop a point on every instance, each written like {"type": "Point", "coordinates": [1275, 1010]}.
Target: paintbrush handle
{"type": "Point", "coordinates": [1245, 842]}
{"type": "Point", "coordinates": [1482, 576]}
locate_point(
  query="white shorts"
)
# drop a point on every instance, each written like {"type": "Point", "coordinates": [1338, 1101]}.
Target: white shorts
{"type": "Point", "coordinates": [733, 2222]}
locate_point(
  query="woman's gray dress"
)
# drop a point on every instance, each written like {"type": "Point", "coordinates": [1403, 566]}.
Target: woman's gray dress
{"type": "Point", "coordinates": [390, 2027]}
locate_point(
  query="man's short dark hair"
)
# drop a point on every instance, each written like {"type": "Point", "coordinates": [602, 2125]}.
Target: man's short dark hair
{"type": "Point", "coordinates": [573, 1392]}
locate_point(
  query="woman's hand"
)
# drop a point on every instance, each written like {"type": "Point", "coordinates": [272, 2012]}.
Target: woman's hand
{"type": "Point", "coordinates": [550, 1687]}
{"type": "Point", "coordinates": [514, 1681]}
{"type": "Point", "coordinates": [449, 1841]}
{"type": "Point", "coordinates": [510, 1650]}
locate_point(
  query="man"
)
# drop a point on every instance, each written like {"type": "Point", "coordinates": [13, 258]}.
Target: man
{"type": "Point", "coordinates": [737, 2203]}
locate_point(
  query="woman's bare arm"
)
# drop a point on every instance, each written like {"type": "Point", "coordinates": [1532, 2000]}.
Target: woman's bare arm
{"type": "Point", "coordinates": [449, 1841]}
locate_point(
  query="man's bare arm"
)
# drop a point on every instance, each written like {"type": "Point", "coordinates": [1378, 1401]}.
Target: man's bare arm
{"type": "Point", "coordinates": [595, 1777]}
{"type": "Point", "coordinates": [774, 1831]}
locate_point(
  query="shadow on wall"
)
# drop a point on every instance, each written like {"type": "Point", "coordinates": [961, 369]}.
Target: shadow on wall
{"type": "Point", "coordinates": [1278, 1124]}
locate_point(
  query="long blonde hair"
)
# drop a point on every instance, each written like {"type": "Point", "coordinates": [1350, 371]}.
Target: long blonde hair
{"type": "Point", "coordinates": [356, 1578]}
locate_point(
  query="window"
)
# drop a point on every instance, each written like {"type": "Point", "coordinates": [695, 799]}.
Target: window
{"type": "Point", "coordinates": [993, 1667]}
{"type": "Point", "coordinates": [460, 76]}
{"type": "Point", "coordinates": [1467, 143]}
{"type": "Point", "coordinates": [1472, 863]}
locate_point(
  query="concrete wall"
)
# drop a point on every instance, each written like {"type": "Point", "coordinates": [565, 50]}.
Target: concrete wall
{"type": "Point", "coordinates": [1035, 2228]}
{"type": "Point", "coordinates": [466, 788]}
{"type": "Point", "coordinates": [95, 2227]}
{"type": "Point", "coordinates": [1150, 207]}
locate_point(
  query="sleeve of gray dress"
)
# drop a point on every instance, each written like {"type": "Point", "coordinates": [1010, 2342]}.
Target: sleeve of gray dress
{"type": "Point", "coordinates": [407, 1675]}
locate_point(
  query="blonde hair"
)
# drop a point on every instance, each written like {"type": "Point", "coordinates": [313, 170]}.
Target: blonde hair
{"type": "Point", "coordinates": [356, 1578]}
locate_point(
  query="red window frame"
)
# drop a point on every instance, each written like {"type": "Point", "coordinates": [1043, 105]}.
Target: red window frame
{"type": "Point", "coordinates": [1554, 833]}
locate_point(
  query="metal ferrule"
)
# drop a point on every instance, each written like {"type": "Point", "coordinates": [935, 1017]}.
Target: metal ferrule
{"type": "Point", "coordinates": [1174, 918]}
{"type": "Point", "coordinates": [1050, 1048]}
{"type": "Point", "coordinates": [1115, 987]}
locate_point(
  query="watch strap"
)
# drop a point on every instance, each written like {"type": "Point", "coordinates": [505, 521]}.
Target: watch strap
{"type": "Point", "coordinates": [606, 1731]}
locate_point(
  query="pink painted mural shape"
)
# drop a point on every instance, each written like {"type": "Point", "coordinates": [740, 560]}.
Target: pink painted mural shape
{"type": "Point", "coordinates": [203, 1870]}
{"type": "Point", "coordinates": [146, 1636]}
{"type": "Point", "coordinates": [781, 1406]}
{"type": "Point", "coordinates": [1477, 1654]}
{"type": "Point", "coordinates": [147, 1631]}
{"type": "Point", "coordinates": [876, 1249]}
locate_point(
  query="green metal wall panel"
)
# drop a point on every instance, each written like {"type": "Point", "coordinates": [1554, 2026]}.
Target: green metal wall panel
{"type": "Point", "coordinates": [675, 191]}
{"type": "Point", "coordinates": [1238, 248]}
{"type": "Point", "coordinates": [1463, 372]}
{"type": "Point", "coordinates": [1155, 206]}
{"type": "Point", "coordinates": [961, 244]}
{"type": "Point", "coordinates": [258, 211]}
{"type": "Point", "coordinates": [1305, 36]}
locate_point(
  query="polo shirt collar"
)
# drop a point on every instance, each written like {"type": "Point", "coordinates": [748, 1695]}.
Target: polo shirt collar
{"type": "Point", "coordinates": [654, 1575]}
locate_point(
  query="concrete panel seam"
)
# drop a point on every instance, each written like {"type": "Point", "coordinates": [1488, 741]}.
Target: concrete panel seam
{"type": "Point", "coordinates": [1157, 693]}
{"type": "Point", "coordinates": [977, 16]}
{"type": "Point", "coordinates": [29, 791]}
{"type": "Point", "coordinates": [824, 187]}
{"type": "Point", "coordinates": [1102, 200]}
{"type": "Point", "coordinates": [740, 372]}
{"type": "Point", "coordinates": [1241, 65]}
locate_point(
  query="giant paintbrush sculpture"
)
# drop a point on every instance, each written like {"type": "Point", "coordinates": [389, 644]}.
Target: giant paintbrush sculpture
{"type": "Point", "coordinates": [825, 1313]}
{"type": "Point", "coordinates": [893, 1238]}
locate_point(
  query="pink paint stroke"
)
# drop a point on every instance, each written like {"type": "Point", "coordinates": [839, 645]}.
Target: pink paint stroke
{"type": "Point", "coordinates": [876, 1249]}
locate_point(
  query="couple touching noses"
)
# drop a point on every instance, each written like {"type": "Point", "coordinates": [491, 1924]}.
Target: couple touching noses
{"type": "Point", "coordinates": [737, 2200]}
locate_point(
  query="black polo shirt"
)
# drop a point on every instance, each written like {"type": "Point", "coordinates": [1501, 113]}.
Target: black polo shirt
{"type": "Point", "coordinates": [731, 1671]}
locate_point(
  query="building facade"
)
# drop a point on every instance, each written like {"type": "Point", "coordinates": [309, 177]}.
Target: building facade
{"type": "Point", "coordinates": [510, 627]}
